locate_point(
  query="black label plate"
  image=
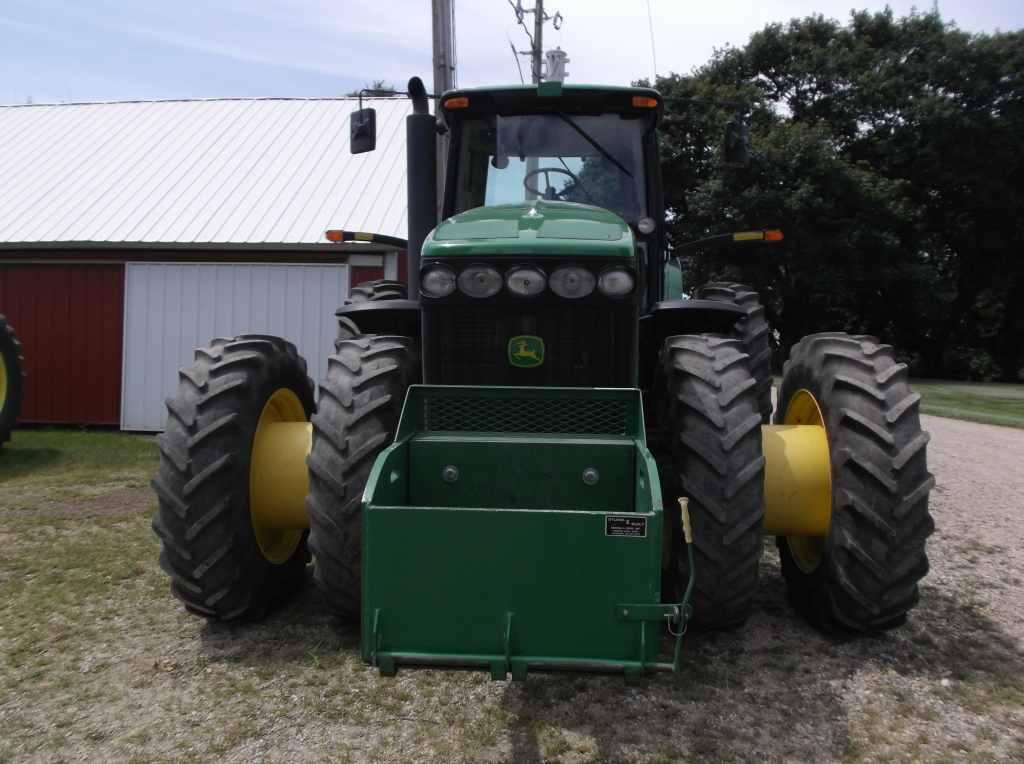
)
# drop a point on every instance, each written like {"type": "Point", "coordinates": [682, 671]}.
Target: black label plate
{"type": "Point", "coordinates": [626, 526]}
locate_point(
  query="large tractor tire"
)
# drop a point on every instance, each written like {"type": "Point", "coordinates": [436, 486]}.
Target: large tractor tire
{"type": "Point", "coordinates": [347, 330]}
{"type": "Point", "coordinates": [367, 291]}
{"type": "Point", "coordinates": [360, 403]}
{"type": "Point", "coordinates": [863, 575]}
{"type": "Point", "coordinates": [11, 379]}
{"type": "Point", "coordinates": [378, 289]}
{"type": "Point", "coordinates": [224, 563]}
{"type": "Point", "coordinates": [718, 464]}
{"type": "Point", "coordinates": [755, 333]}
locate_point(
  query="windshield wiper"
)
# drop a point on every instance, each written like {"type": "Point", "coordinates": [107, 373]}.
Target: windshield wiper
{"type": "Point", "coordinates": [589, 139]}
{"type": "Point", "coordinates": [578, 182]}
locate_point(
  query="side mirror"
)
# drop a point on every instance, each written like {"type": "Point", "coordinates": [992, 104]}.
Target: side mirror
{"type": "Point", "coordinates": [736, 150]}
{"type": "Point", "coordinates": [363, 131]}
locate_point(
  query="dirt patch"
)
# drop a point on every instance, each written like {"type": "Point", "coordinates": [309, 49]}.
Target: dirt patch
{"type": "Point", "coordinates": [106, 503]}
{"type": "Point", "coordinates": [98, 662]}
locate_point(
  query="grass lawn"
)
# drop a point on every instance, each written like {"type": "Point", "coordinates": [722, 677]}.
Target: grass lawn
{"type": "Point", "coordinates": [974, 401]}
{"type": "Point", "coordinates": [56, 464]}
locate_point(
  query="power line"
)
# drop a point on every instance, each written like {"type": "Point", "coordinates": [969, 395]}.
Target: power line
{"type": "Point", "coordinates": [515, 55]}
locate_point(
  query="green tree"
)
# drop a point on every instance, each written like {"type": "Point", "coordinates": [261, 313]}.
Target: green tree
{"type": "Point", "coordinates": [383, 85]}
{"type": "Point", "coordinates": [890, 151]}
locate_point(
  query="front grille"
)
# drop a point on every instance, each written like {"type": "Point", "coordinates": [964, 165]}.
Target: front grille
{"type": "Point", "coordinates": [528, 415]}
{"type": "Point", "coordinates": [585, 345]}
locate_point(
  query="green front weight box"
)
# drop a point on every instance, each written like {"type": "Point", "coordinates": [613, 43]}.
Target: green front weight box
{"type": "Point", "coordinates": [515, 529]}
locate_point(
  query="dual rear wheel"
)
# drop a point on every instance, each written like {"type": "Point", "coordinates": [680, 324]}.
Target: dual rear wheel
{"type": "Point", "coordinates": [861, 572]}
{"type": "Point", "coordinates": [233, 476]}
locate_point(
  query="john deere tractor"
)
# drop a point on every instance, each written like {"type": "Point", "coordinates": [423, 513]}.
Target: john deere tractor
{"type": "Point", "coordinates": [531, 457]}
{"type": "Point", "coordinates": [11, 377]}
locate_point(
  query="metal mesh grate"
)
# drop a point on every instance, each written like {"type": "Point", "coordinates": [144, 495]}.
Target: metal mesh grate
{"type": "Point", "coordinates": [529, 415]}
{"type": "Point", "coordinates": [586, 346]}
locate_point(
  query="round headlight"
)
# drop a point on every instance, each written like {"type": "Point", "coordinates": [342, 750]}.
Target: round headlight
{"type": "Point", "coordinates": [572, 281]}
{"type": "Point", "coordinates": [526, 282]}
{"type": "Point", "coordinates": [437, 281]}
{"type": "Point", "coordinates": [615, 282]}
{"type": "Point", "coordinates": [480, 281]}
{"type": "Point", "coordinates": [645, 225]}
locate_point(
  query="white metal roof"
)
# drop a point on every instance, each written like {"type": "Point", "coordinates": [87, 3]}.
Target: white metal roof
{"type": "Point", "coordinates": [220, 171]}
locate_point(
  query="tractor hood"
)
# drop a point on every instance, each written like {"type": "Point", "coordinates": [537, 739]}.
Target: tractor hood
{"type": "Point", "coordinates": [532, 229]}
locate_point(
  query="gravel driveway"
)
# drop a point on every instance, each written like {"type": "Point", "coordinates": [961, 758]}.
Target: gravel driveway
{"type": "Point", "coordinates": [99, 663]}
{"type": "Point", "coordinates": [979, 508]}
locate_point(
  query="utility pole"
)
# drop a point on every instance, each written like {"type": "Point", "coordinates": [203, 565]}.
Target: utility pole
{"type": "Point", "coordinates": [538, 40]}
{"type": "Point", "coordinates": [536, 51]}
{"type": "Point", "coordinates": [444, 47]}
{"type": "Point", "coordinates": [444, 76]}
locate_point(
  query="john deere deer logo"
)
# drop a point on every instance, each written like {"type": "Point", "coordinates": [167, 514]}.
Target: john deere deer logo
{"type": "Point", "coordinates": [526, 351]}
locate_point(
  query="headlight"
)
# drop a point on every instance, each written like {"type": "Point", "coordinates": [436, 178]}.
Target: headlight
{"type": "Point", "coordinates": [438, 281]}
{"type": "Point", "coordinates": [572, 281]}
{"type": "Point", "coordinates": [526, 282]}
{"type": "Point", "coordinates": [480, 281]}
{"type": "Point", "coordinates": [615, 282]}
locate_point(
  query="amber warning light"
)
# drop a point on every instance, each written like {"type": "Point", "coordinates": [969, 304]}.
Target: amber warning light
{"type": "Point", "coordinates": [773, 234]}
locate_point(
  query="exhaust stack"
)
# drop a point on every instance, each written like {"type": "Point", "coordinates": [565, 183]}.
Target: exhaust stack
{"type": "Point", "coordinates": [421, 169]}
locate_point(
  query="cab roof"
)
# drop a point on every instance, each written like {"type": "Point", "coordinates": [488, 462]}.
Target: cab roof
{"type": "Point", "coordinates": [550, 97]}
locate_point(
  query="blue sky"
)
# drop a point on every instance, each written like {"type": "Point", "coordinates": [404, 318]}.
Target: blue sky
{"type": "Point", "coordinates": [85, 50]}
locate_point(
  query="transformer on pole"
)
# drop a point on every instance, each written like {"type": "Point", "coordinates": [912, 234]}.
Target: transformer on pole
{"type": "Point", "coordinates": [536, 51]}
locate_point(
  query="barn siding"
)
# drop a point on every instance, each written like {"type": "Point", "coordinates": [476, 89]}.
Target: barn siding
{"type": "Point", "coordinates": [69, 321]}
{"type": "Point", "coordinates": [171, 308]}
{"type": "Point", "coordinates": [361, 273]}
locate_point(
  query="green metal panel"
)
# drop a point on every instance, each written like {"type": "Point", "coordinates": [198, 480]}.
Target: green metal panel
{"type": "Point", "coordinates": [444, 581]}
{"type": "Point", "coordinates": [503, 563]}
{"type": "Point", "coordinates": [540, 228]}
{"type": "Point", "coordinates": [538, 472]}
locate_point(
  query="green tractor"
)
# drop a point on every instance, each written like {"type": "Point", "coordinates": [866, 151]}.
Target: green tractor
{"type": "Point", "coordinates": [11, 379]}
{"type": "Point", "coordinates": [532, 457]}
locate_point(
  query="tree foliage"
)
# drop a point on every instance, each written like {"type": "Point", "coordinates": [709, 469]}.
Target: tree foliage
{"type": "Point", "coordinates": [376, 85]}
{"type": "Point", "coordinates": [891, 151]}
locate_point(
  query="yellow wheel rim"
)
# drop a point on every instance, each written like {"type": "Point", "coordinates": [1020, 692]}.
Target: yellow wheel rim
{"type": "Point", "coordinates": [3, 382]}
{"type": "Point", "coordinates": [807, 551]}
{"type": "Point", "coordinates": [276, 533]}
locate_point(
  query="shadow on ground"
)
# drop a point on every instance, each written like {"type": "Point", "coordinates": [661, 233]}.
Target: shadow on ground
{"type": "Point", "coordinates": [17, 461]}
{"type": "Point", "coordinates": [775, 687]}
{"type": "Point", "coordinates": [289, 634]}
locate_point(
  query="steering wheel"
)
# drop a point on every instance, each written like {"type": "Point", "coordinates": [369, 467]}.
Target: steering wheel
{"type": "Point", "coordinates": [547, 181]}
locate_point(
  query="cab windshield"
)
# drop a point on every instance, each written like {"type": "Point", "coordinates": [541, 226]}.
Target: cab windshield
{"type": "Point", "coordinates": [588, 159]}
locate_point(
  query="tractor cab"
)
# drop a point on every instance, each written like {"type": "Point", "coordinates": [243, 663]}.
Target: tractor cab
{"type": "Point", "coordinates": [582, 145]}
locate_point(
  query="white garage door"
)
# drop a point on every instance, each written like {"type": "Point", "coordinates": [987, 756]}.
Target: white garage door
{"type": "Point", "coordinates": [172, 308]}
